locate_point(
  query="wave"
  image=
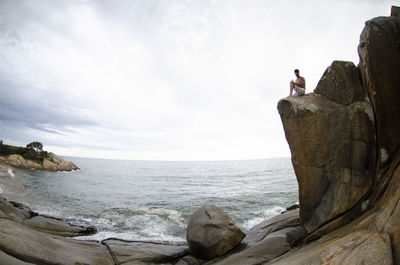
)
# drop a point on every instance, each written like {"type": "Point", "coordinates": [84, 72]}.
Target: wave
{"type": "Point", "coordinates": [261, 216]}
{"type": "Point", "coordinates": [11, 173]}
{"type": "Point", "coordinates": [173, 215]}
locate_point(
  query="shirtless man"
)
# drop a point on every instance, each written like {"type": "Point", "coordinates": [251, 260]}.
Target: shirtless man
{"type": "Point", "coordinates": [299, 86]}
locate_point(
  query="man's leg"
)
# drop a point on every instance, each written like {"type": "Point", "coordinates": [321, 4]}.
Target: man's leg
{"type": "Point", "coordinates": [291, 89]}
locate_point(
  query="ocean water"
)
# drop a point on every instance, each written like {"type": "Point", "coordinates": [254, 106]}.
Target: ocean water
{"type": "Point", "coordinates": [153, 200]}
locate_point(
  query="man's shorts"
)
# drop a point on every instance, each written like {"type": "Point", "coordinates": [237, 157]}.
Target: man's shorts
{"type": "Point", "coordinates": [299, 91]}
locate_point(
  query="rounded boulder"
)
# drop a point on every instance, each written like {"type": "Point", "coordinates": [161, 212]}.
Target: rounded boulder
{"type": "Point", "coordinates": [211, 233]}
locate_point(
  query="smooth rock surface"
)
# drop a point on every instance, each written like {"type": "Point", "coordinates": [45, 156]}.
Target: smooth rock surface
{"type": "Point", "coordinates": [8, 211]}
{"type": "Point", "coordinates": [131, 252]}
{"type": "Point", "coordinates": [9, 260]}
{"type": "Point", "coordinates": [272, 246]}
{"type": "Point", "coordinates": [359, 247]}
{"type": "Point", "coordinates": [36, 247]}
{"type": "Point", "coordinates": [57, 227]}
{"type": "Point", "coordinates": [263, 229]}
{"type": "Point", "coordinates": [211, 233]}
{"type": "Point", "coordinates": [333, 154]}
{"type": "Point", "coordinates": [379, 52]}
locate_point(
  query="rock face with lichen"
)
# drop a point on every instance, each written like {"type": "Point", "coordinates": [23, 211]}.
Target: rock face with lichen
{"type": "Point", "coordinates": [348, 159]}
{"type": "Point", "coordinates": [331, 134]}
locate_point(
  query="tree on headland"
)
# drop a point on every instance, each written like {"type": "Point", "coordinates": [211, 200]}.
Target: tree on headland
{"type": "Point", "coordinates": [36, 146]}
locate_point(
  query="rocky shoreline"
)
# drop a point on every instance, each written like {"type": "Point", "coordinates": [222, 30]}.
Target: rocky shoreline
{"type": "Point", "coordinates": [52, 163]}
{"type": "Point", "coordinates": [346, 155]}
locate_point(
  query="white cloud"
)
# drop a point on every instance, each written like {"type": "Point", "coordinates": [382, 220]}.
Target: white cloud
{"type": "Point", "coordinates": [174, 80]}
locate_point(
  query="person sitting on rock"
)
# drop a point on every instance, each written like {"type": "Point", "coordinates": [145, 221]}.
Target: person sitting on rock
{"type": "Point", "coordinates": [299, 86]}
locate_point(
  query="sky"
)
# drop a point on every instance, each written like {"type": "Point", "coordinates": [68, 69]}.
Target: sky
{"type": "Point", "coordinates": [165, 79]}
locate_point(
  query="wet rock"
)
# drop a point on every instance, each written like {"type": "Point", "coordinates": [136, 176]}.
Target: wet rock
{"type": "Point", "coordinates": [263, 229]}
{"type": "Point", "coordinates": [8, 211]}
{"type": "Point", "coordinates": [135, 252]}
{"type": "Point", "coordinates": [24, 209]}
{"type": "Point", "coordinates": [211, 233]}
{"type": "Point", "coordinates": [57, 226]}
{"type": "Point", "coordinates": [36, 247]}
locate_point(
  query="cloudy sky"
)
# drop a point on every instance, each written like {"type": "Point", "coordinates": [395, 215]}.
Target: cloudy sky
{"type": "Point", "coordinates": [165, 79]}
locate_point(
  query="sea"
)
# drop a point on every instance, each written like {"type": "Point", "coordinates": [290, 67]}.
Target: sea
{"type": "Point", "coordinates": [153, 200]}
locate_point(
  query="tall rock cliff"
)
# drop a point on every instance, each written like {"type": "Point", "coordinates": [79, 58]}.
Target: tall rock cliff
{"type": "Point", "coordinates": [345, 146]}
{"type": "Point", "coordinates": [331, 134]}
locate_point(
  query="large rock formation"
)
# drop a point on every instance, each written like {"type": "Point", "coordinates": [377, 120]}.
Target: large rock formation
{"type": "Point", "coordinates": [211, 232]}
{"type": "Point", "coordinates": [51, 163]}
{"type": "Point", "coordinates": [372, 235]}
{"type": "Point", "coordinates": [331, 134]}
{"type": "Point", "coordinates": [345, 152]}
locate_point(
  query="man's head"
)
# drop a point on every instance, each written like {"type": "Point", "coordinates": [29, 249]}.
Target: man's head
{"type": "Point", "coordinates": [297, 72]}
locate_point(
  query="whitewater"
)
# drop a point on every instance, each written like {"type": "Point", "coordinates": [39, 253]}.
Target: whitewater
{"type": "Point", "coordinates": [153, 200]}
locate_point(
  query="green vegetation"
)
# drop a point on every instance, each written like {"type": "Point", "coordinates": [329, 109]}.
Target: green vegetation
{"type": "Point", "coordinates": [33, 151]}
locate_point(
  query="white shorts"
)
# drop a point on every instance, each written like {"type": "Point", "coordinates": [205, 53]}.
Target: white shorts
{"type": "Point", "coordinates": [299, 91]}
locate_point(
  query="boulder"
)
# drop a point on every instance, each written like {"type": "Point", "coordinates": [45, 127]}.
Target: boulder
{"type": "Point", "coordinates": [211, 233]}
{"type": "Point", "coordinates": [136, 252]}
{"type": "Point", "coordinates": [16, 161]}
{"type": "Point", "coordinates": [341, 83]}
{"type": "Point", "coordinates": [36, 247]}
{"type": "Point", "coordinates": [379, 52]}
{"type": "Point", "coordinates": [333, 149]}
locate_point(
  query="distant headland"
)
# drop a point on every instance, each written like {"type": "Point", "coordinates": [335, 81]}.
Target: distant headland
{"type": "Point", "coordinates": [33, 157]}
